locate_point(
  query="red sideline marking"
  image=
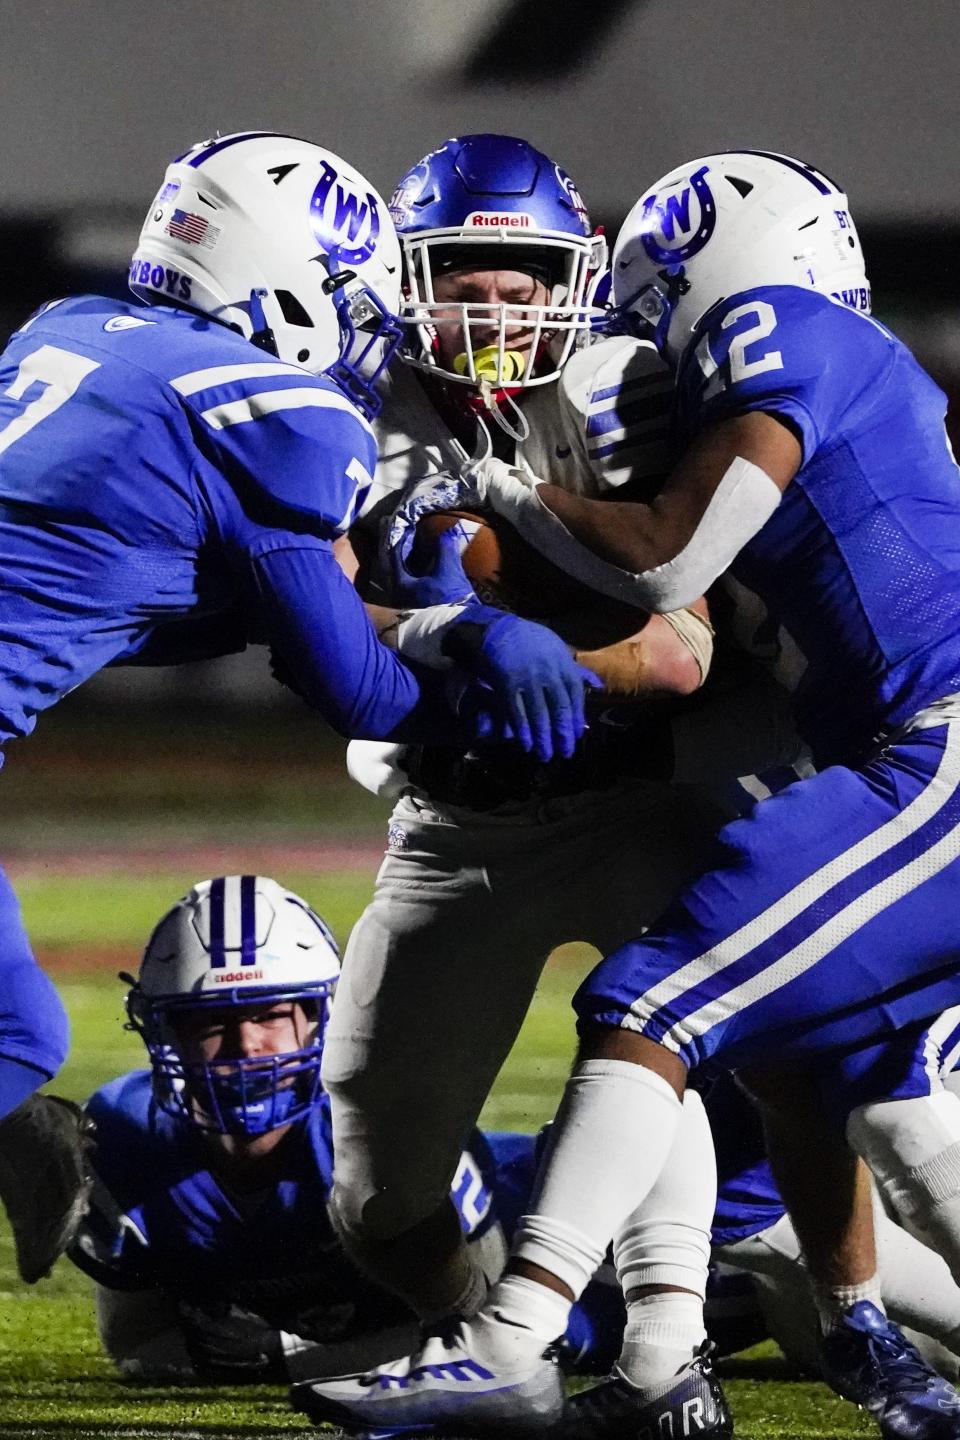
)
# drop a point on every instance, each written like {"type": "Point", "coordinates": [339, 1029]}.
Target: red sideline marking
{"type": "Point", "coordinates": [193, 861]}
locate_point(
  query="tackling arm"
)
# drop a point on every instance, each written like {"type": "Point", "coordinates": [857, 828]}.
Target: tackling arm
{"type": "Point", "coordinates": [661, 555]}
{"type": "Point", "coordinates": [317, 624]}
{"type": "Point", "coordinates": [670, 655]}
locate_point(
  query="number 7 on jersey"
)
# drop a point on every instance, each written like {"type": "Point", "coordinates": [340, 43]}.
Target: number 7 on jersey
{"type": "Point", "coordinates": [60, 372]}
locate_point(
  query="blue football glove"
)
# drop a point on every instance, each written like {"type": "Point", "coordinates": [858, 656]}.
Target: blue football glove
{"type": "Point", "coordinates": [445, 584]}
{"type": "Point", "coordinates": [535, 678]}
{"type": "Point", "coordinates": [490, 484]}
{"type": "Point", "coordinates": [439, 492]}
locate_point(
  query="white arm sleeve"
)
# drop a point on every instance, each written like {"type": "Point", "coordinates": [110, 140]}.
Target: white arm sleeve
{"type": "Point", "coordinates": [420, 633]}
{"type": "Point", "coordinates": [739, 507]}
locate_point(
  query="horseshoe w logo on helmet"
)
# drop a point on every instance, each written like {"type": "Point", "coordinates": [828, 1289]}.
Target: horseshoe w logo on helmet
{"type": "Point", "coordinates": [340, 216]}
{"type": "Point", "coordinates": [670, 218]}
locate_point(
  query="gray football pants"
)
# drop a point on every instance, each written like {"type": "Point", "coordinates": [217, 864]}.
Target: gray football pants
{"type": "Point", "coordinates": [442, 965]}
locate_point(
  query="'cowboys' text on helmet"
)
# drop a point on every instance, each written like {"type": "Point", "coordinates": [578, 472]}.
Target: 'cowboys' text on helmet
{"type": "Point", "coordinates": [285, 242]}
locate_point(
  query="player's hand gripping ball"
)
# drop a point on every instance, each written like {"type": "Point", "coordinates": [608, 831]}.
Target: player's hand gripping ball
{"type": "Point", "coordinates": [505, 571]}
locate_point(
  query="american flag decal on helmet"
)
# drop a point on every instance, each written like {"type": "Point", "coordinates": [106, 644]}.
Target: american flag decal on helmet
{"type": "Point", "coordinates": [194, 229]}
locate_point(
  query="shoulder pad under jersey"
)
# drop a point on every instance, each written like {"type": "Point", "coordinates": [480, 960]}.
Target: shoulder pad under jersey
{"type": "Point", "coordinates": [618, 394]}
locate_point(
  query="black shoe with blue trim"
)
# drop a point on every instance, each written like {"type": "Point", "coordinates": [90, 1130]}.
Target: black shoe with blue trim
{"type": "Point", "coordinates": [867, 1360]}
{"type": "Point", "coordinates": [690, 1403]}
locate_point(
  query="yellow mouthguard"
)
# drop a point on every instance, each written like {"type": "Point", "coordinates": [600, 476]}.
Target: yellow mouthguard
{"type": "Point", "coordinates": [485, 363]}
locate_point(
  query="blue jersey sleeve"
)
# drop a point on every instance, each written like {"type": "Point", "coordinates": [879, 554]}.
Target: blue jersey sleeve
{"type": "Point", "coordinates": [789, 352]}
{"type": "Point", "coordinates": [289, 444]}
{"type": "Point", "coordinates": [316, 622]}
{"type": "Point", "coordinates": [288, 467]}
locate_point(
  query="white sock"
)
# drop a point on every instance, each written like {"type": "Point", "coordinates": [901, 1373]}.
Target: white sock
{"type": "Point", "coordinates": [613, 1133]}
{"type": "Point", "coordinates": [517, 1323]}
{"type": "Point", "coordinates": [666, 1240]}
{"type": "Point", "coordinates": [832, 1301]}
{"type": "Point", "coordinates": [913, 1148]}
{"type": "Point", "coordinates": [663, 1333]}
{"type": "Point", "coordinates": [918, 1290]}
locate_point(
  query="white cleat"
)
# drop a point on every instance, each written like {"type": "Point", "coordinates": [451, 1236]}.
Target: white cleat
{"type": "Point", "coordinates": [441, 1389]}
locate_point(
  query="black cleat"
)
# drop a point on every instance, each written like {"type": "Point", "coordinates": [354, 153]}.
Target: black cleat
{"type": "Point", "coordinates": [690, 1404]}
{"type": "Point", "coordinates": [45, 1179]}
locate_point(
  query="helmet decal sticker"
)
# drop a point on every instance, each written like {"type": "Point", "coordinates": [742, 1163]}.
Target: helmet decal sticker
{"type": "Point", "coordinates": [400, 207]}
{"type": "Point", "coordinates": [192, 229]}
{"type": "Point", "coordinates": [342, 220]}
{"type": "Point", "coordinates": [576, 200]}
{"type": "Point", "coordinates": [668, 222]}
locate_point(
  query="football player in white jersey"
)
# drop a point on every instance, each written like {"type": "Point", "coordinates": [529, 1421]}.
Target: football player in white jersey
{"type": "Point", "coordinates": [492, 862]}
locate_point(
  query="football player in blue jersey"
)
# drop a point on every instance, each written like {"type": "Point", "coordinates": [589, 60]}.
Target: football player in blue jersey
{"type": "Point", "coordinates": [815, 477]}
{"type": "Point", "coordinates": [208, 1233]}
{"type": "Point", "coordinates": [171, 481]}
{"type": "Point", "coordinates": [753, 1237]}
{"type": "Point", "coordinates": [901, 1098]}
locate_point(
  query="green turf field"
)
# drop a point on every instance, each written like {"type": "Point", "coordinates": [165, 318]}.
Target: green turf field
{"type": "Point", "coordinates": [101, 840]}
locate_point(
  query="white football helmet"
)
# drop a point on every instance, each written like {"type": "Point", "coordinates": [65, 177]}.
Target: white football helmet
{"type": "Point", "coordinates": [234, 941]}
{"type": "Point", "coordinates": [285, 242]}
{"type": "Point", "coordinates": [728, 223]}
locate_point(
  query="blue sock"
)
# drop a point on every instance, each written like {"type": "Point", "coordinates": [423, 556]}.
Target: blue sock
{"type": "Point", "coordinates": [18, 1081]}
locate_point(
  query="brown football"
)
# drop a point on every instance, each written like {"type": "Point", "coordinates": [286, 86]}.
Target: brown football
{"type": "Point", "coordinates": [506, 571]}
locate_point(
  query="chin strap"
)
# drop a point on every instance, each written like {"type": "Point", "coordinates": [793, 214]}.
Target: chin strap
{"type": "Point", "coordinates": [483, 448]}
{"type": "Point", "coordinates": [262, 336]}
{"type": "Point", "coordinates": [495, 402]}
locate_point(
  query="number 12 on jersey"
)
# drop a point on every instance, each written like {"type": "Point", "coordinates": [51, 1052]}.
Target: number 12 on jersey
{"type": "Point", "coordinates": [738, 365]}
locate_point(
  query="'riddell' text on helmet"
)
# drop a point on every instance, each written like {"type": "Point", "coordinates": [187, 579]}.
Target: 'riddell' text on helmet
{"type": "Point", "coordinates": [494, 202]}
{"type": "Point", "coordinates": [725, 224]}
{"type": "Point", "coordinates": [285, 242]}
{"type": "Point", "coordinates": [232, 943]}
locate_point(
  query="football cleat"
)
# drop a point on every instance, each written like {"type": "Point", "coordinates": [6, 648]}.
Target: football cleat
{"type": "Point", "coordinates": [690, 1403]}
{"type": "Point", "coordinates": [441, 1389]}
{"type": "Point", "coordinates": [867, 1360]}
{"type": "Point", "coordinates": [45, 1179]}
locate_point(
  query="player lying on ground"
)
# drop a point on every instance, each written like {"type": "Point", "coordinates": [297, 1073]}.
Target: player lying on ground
{"type": "Point", "coordinates": [494, 860]}
{"type": "Point", "coordinates": [208, 1235]}
{"type": "Point", "coordinates": [815, 473]}
{"type": "Point", "coordinates": [208, 1232]}
{"type": "Point", "coordinates": [170, 484]}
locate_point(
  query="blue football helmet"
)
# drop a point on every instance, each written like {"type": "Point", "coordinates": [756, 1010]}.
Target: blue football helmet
{"type": "Point", "coordinates": [494, 202]}
{"type": "Point", "coordinates": [285, 242]}
{"type": "Point", "coordinates": [233, 942]}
